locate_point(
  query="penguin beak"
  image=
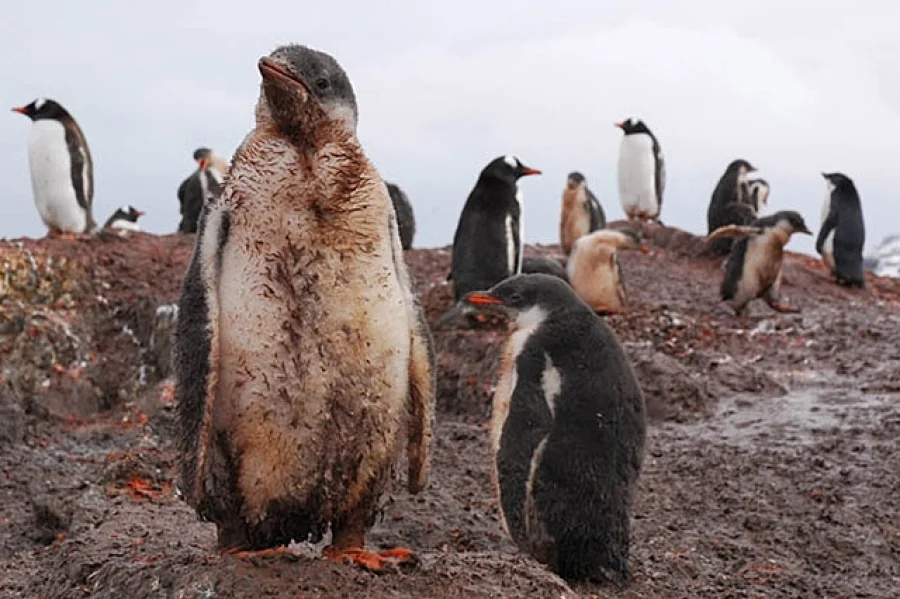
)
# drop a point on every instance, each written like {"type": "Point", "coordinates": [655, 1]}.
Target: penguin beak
{"type": "Point", "coordinates": [644, 248]}
{"type": "Point", "coordinates": [203, 162]}
{"type": "Point", "coordinates": [620, 125]}
{"type": "Point", "coordinates": [805, 231]}
{"type": "Point", "coordinates": [478, 298]}
{"type": "Point", "coordinates": [139, 213]}
{"type": "Point", "coordinates": [273, 70]}
{"type": "Point", "coordinates": [20, 110]}
{"type": "Point", "coordinates": [530, 171]}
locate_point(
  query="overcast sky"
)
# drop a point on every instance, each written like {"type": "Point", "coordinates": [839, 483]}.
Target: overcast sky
{"type": "Point", "coordinates": [796, 88]}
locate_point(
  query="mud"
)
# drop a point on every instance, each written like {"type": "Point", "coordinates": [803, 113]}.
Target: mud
{"type": "Point", "coordinates": [771, 465]}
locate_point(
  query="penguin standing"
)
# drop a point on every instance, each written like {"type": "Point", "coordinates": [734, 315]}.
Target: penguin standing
{"type": "Point", "coordinates": [487, 244]}
{"type": "Point", "coordinates": [642, 171]}
{"type": "Point", "coordinates": [406, 219]}
{"type": "Point", "coordinates": [753, 268]}
{"type": "Point", "coordinates": [843, 231]}
{"type": "Point", "coordinates": [758, 191]}
{"type": "Point", "coordinates": [567, 431]}
{"type": "Point", "coordinates": [299, 344]}
{"type": "Point", "coordinates": [581, 212]}
{"type": "Point", "coordinates": [124, 219]}
{"type": "Point", "coordinates": [62, 171]}
{"type": "Point", "coordinates": [204, 184]}
{"type": "Point", "coordinates": [594, 270]}
{"type": "Point", "coordinates": [212, 160]}
{"type": "Point", "coordinates": [730, 203]}
{"type": "Point", "coordinates": [545, 265]}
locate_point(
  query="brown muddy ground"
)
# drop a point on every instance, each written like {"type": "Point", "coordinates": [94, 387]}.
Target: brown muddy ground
{"type": "Point", "coordinates": [771, 469]}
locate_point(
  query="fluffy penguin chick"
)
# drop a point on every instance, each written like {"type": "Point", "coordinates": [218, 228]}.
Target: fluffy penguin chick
{"type": "Point", "coordinates": [594, 270]}
{"type": "Point", "coordinates": [581, 212]}
{"type": "Point", "coordinates": [843, 232]}
{"type": "Point", "coordinates": [299, 346]}
{"type": "Point", "coordinates": [753, 268]}
{"type": "Point", "coordinates": [567, 431]}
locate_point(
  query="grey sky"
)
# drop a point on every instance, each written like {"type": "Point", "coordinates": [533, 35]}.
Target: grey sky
{"type": "Point", "coordinates": [794, 87]}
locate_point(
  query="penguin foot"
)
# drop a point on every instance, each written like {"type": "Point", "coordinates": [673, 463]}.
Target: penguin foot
{"type": "Point", "coordinates": [282, 551]}
{"type": "Point", "coordinates": [372, 561]}
{"type": "Point", "coordinates": [784, 308]}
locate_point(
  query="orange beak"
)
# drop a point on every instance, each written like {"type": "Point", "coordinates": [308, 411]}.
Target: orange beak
{"type": "Point", "coordinates": [477, 298]}
{"type": "Point", "coordinates": [140, 213]}
{"type": "Point", "coordinates": [203, 163]}
{"type": "Point", "coordinates": [20, 110]}
{"type": "Point", "coordinates": [619, 125]}
{"type": "Point", "coordinates": [644, 249]}
{"type": "Point", "coordinates": [530, 171]}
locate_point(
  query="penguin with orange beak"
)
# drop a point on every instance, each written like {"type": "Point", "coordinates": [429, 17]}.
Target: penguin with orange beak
{"type": "Point", "coordinates": [205, 183]}
{"type": "Point", "coordinates": [124, 219]}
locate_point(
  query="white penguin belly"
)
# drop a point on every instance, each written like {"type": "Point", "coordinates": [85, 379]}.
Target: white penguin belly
{"type": "Point", "coordinates": [124, 225]}
{"type": "Point", "coordinates": [51, 177]}
{"type": "Point", "coordinates": [637, 175]}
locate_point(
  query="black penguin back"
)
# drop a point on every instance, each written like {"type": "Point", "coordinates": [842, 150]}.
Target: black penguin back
{"type": "Point", "coordinates": [190, 198]}
{"type": "Point", "coordinates": [406, 220]}
{"type": "Point", "coordinates": [597, 216]}
{"type": "Point", "coordinates": [544, 265]}
{"type": "Point", "coordinates": [849, 238]}
{"type": "Point", "coordinates": [728, 206]}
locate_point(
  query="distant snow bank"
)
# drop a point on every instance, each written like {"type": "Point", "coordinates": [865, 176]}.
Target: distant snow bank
{"type": "Point", "coordinates": [884, 261]}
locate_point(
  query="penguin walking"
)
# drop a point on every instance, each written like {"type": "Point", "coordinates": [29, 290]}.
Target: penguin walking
{"type": "Point", "coordinates": [753, 267]}
{"type": "Point", "coordinates": [581, 212]}
{"type": "Point", "coordinates": [406, 219]}
{"type": "Point", "coordinates": [594, 270]}
{"type": "Point", "coordinates": [487, 244]}
{"type": "Point", "coordinates": [730, 203]}
{"type": "Point", "coordinates": [299, 346]}
{"type": "Point", "coordinates": [641, 170]}
{"type": "Point", "coordinates": [124, 218]}
{"type": "Point", "coordinates": [567, 431]}
{"type": "Point", "coordinates": [202, 185]}
{"type": "Point", "coordinates": [843, 231]}
{"type": "Point", "coordinates": [62, 171]}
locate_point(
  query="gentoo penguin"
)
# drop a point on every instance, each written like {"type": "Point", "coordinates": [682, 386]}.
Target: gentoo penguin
{"type": "Point", "coordinates": [203, 184]}
{"type": "Point", "coordinates": [299, 344]}
{"type": "Point", "coordinates": [594, 270]}
{"type": "Point", "coordinates": [212, 160]}
{"type": "Point", "coordinates": [758, 195]}
{"type": "Point", "coordinates": [581, 212]}
{"type": "Point", "coordinates": [567, 431]}
{"type": "Point", "coordinates": [406, 220]}
{"type": "Point", "coordinates": [642, 171]}
{"type": "Point", "coordinates": [487, 245]}
{"type": "Point", "coordinates": [730, 203]}
{"type": "Point", "coordinates": [753, 268]}
{"type": "Point", "coordinates": [843, 232]}
{"type": "Point", "coordinates": [62, 172]}
{"type": "Point", "coordinates": [545, 265]}
{"type": "Point", "coordinates": [124, 219]}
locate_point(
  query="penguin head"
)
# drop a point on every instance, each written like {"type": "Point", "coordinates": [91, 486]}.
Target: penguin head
{"type": "Point", "coordinates": [42, 108]}
{"type": "Point", "coordinates": [575, 180]}
{"type": "Point", "coordinates": [759, 189]}
{"type": "Point", "coordinates": [508, 168]}
{"type": "Point", "coordinates": [741, 167]}
{"type": "Point", "coordinates": [304, 89]}
{"type": "Point", "coordinates": [632, 126]}
{"type": "Point", "coordinates": [520, 294]}
{"type": "Point", "coordinates": [128, 213]}
{"type": "Point", "coordinates": [201, 154]}
{"type": "Point", "coordinates": [791, 220]}
{"type": "Point", "coordinates": [838, 181]}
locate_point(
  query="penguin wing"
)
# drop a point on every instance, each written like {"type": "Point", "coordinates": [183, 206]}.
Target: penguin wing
{"type": "Point", "coordinates": [82, 171]}
{"type": "Point", "coordinates": [517, 241]}
{"type": "Point", "coordinates": [826, 228]}
{"type": "Point", "coordinates": [738, 231]}
{"type": "Point", "coordinates": [182, 194]}
{"type": "Point", "coordinates": [660, 172]}
{"type": "Point", "coordinates": [196, 356]}
{"type": "Point", "coordinates": [595, 211]}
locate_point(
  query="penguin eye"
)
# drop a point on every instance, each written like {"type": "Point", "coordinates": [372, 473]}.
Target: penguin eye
{"type": "Point", "coordinates": [322, 83]}
{"type": "Point", "coordinates": [515, 298]}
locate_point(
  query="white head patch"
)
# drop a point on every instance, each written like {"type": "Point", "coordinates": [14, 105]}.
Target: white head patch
{"type": "Point", "coordinates": [511, 160]}
{"type": "Point", "coordinates": [126, 208]}
{"type": "Point", "coordinates": [39, 103]}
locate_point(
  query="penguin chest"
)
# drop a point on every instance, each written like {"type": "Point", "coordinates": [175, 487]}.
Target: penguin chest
{"type": "Point", "coordinates": [51, 177]}
{"type": "Point", "coordinates": [761, 266]}
{"type": "Point", "coordinates": [595, 278]}
{"type": "Point", "coordinates": [637, 175]}
{"type": "Point", "coordinates": [575, 220]}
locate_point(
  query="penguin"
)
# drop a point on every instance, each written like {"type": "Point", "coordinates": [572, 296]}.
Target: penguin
{"type": "Point", "coordinates": [406, 220]}
{"type": "Point", "coordinates": [594, 270]}
{"type": "Point", "coordinates": [730, 203]}
{"type": "Point", "coordinates": [758, 196]}
{"type": "Point", "coordinates": [568, 429]}
{"type": "Point", "coordinates": [212, 160]}
{"type": "Point", "coordinates": [487, 244]}
{"type": "Point", "coordinates": [843, 231]}
{"type": "Point", "coordinates": [581, 212]}
{"type": "Point", "coordinates": [124, 219]}
{"type": "Point", "coordinates": [62, 171]}
{"type": "Point", "coordinates": [203, 184]}
{"type": "Point", "coordinates": [545, 265]}
{"type": "Point", "coordinates": [753, 267]}
{"type": "Point", "coordinates": [641, 170]}
{"type": "Point", "coordinates": [300, 349]}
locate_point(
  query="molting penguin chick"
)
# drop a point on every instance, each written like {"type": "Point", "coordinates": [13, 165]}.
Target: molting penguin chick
{"type": "Point", "coordinates": [406, 219]}
{"type": "Point", "coordinates": [62, 171]}
{"type": "Point", "coordinates": [487, 244]}
{"type": "Point", "coordinates": [594, 270]}
{"type": "Point", "coordinates": [843, 231]}
{"type": "Point", "coordinates": [299, 344]}
{"type": "Point", "coordinates": [202, 185]}
{"type": "Point", "coordinates": [124, 219]}
{"type": "Point", "coordinates": [730, 203]}
{"type": "Point", "coordinates": [581, 212]}
{"type": "Point", "coordinates": [641, 171]}
{"type": "Point", "coordinates": [753, 268]}
{"type": "Point", "coordinates": [567, 431]}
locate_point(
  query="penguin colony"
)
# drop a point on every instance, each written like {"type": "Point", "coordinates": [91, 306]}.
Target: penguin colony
{"type": "Point", "coordinates": [305, 369]}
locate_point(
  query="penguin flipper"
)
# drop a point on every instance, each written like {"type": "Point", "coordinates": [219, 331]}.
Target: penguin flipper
{"type": "Point", "coordinates": [422, 391]}
{"type": "Point", "coordinates": [196, 355]}
{"type": "Point", "coordinates": [595, 211]}
{"type": "Point", "coordinates": [826, 228]}
{"type": "Point", "coordinates": [737, 231]}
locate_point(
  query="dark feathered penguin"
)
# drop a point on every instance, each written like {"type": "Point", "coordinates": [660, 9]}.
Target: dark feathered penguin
{"type": "Point", "coordinates": [753, 267]}
{"type": "Point", "coordinates": [730, 203]}
{"type": "Point", "coordinates": [487, 244]}
{"type": "Point", "coordinates": [542, 264]}
{"type": "Point", "coordinates": [843, 232]}
{"type": "Point", "coordinates": [124, 219]}
{"type": "Point", "coordinates": [567, 430]}
{"type": "Point", "coordinates": [406, 219]}
{"type": "Point", "coordinates": [204, 184]}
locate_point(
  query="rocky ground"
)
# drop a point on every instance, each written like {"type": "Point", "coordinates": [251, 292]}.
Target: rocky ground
{"type": "Point", "coordinates": [771, 467]}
